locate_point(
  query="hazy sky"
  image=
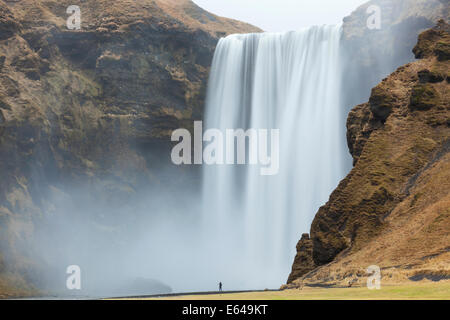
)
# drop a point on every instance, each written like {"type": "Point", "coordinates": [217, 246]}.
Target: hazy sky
{"type": "Point", "coordinates": [282, 15]}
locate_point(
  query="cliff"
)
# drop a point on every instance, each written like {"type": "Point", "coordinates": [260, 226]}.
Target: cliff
{"type": "Point", "coordinates": [92, 109]}
{"type": "Point", "coordinates": [392, 210]}
{"type": "Point", "coordinates": [375, 53]}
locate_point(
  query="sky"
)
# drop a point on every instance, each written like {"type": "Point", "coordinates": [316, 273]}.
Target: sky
{"type": "Point", "coordinates": [282, 15]}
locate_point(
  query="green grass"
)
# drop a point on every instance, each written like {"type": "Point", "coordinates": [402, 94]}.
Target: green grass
{"type": "Point", "coordinates": [419, 291]}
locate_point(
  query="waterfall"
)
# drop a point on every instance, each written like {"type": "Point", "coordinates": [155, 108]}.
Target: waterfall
{"type": "Point", "coordinates": [291, 82]}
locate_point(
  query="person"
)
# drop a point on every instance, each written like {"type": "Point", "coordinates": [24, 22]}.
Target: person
{"type": "Point", "coordinates": [220, 286]}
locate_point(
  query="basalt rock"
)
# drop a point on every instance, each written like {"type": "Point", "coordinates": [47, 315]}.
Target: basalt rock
{"type": "Point", "coordinates": [2, 62]}
{"type": "Point", "coordinates": [424, 97]}
{"type": "Point", "coordinates": [303, 262]}
{"type": "Point", "coordinates": [433, 42]}
{"type": "Point", "coordinates": [8, 25]}
{"type": "Point", "coordinates": [430, 76]}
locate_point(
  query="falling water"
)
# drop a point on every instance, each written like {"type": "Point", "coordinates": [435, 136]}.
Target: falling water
{"type": "Point", "coordinates": [288, 81]}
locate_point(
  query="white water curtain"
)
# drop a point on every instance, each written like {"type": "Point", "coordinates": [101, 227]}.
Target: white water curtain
{"type": "Point", "coordinates": [291, 82]}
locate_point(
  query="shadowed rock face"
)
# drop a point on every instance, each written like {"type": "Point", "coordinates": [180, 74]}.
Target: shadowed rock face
{"type": "Point", "coordinates": [392, 210]}
{"type": "Point", "coordinates": [303, 262]}
{"type": "Point", "coordinates": [8, 25]}
{"type": "Point", "coordinates": [93, 109]}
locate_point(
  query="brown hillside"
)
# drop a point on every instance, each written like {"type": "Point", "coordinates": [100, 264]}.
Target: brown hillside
{"type": "Point", "coordinates": [393, 209]}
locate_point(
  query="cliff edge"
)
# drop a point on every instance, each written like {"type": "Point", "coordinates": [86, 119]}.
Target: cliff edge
{"type": "Point", "coordinates": [393, 209]}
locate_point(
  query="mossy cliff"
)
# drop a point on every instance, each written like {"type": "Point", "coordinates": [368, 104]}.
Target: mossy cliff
{"type": "Point", "coordinates": [92, 109]}
{"type": "Point", "coordinates": [393, 209]}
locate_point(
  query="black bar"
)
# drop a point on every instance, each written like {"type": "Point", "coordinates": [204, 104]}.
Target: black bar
{"type": "Point", "coordinates": [223, 309]}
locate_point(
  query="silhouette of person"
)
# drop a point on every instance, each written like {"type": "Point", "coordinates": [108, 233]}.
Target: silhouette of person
{"type": "Point", "coordinates": [220, 286]}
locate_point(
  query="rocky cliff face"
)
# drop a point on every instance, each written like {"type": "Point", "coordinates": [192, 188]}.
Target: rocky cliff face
{"type": "Point", "coordinates": [373, 53]}
{"type": "Point", "coordinates": [92, 109]}
{"type": "Point", "coordinates": [392, 210]}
